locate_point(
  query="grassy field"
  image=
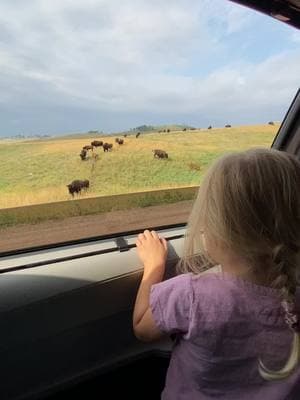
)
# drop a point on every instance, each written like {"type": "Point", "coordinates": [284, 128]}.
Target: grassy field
{"type": "Point", "coordinates": [37, 171]}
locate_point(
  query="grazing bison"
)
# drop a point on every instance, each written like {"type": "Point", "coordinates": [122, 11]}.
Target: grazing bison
{"type": "Point", "coordinates": [184, 129]}
{"type": "Point", "coordinates": [117, 140]}
{"type": "Point", "coordinates": [97, 143]}
{"type": "Point", "coordinates": [271, 123]}
{"type": "Point", "coordinates": [120, 141]}
{"type": "Point", "coordinates": [125, 135]}
{"type": "Point", "coordinates": [107, 146]}
{"type": "Point", "coordinates": [160, 153]}
{"type": "Point", "coordinates": [210, 127]}
{"type": "Point", "coordinates": [77, 185]}
{"type": "Point", "coordinates": [83, 154]}
{"type": "Point", "coordinates": [138, 134]}
{"type": "Point", "coordinates": [87, 147]}
{"type": "Point", "coordinates": [227, 126]}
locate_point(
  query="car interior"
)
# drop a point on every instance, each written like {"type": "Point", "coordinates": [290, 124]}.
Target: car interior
{"type": "Point", "coordinates": [73, 302]}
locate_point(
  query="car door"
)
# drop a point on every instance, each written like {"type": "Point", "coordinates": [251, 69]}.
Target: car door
{"type": "Point", "coordinates": [66, 313]}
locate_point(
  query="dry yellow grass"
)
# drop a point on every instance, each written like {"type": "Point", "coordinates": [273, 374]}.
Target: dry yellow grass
{"type": "Point", "coordinates": [37, 171]}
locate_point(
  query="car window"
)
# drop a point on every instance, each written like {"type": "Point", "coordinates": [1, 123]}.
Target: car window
{"type": "Point", "coordinates": [111, 113]}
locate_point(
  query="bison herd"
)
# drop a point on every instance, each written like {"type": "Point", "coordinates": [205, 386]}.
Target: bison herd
{"type": "Point", "coordinates": [76, 186]}
{"type": "Point", "coordinates": [98, 143]}
{"type": "Point", "coordinates": [95, 143]}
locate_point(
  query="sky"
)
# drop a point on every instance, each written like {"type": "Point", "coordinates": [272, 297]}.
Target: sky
{"type": "Point", "coordinates": [109, 65]}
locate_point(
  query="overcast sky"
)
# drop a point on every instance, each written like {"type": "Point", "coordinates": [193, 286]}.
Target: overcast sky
{"type": "Point", "coordinates": [78, 65]}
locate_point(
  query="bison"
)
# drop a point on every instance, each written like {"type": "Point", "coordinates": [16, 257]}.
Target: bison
{"type": "Point", "coordinates": [87, 147]}
{"type": "Point", "coordinates": [125, 135]}
{"type": "Point", "coordinates": [271, 123]}
{"type": "Point", "coordinates": [83, 154]}
{"type": "Point", "coordinates": [138, 134]}
{"type": "Point", "coordinates": [107, 146]}
{"type": "Point", "coordinates": [120, 141]}
{"type": "Point", "coordinates": [160, 153]}
{"type": "Point", "coordinates": [210, 127]}
{"type": "Point", "coordinates": [96, 143]}
{"type": "Point", "coordinates": [77, 185]}
{"type": "Point", "coordinates": [227, 126]}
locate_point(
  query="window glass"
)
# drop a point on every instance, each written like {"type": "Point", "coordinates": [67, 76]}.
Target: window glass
{"type": "Point", "coordinates": [178, 83]}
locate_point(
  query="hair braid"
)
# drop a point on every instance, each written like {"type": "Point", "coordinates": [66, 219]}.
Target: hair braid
{"type": "Point", "coordinates": [284, 277]}
{"type": "Point", "coordinates": [284, 273]}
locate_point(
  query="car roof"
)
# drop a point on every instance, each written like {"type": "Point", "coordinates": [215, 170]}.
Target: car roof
{"type": "Point", "coordinates": [287, 11]}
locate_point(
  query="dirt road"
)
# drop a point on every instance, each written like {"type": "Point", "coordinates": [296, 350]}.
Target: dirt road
{"type": "Point", "coordinates": [25, 236]}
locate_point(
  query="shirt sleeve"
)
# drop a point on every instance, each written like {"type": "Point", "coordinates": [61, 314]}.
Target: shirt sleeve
{"type": "Point", "coordinates": [171, 304]}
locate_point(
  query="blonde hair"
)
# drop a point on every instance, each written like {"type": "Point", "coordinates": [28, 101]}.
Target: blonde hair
{"type": "Point", "coordinates": [250, 202]}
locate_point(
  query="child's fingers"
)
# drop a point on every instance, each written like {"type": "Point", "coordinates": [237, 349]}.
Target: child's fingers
{"type": "Point", "coordinates": [154, 234]}
{"type": "Point", "coordinates": [141, 237]}
{"type": "Point", "coordinates": [147, 234]}
{"type": "Point", "coordinates": [138, 242]}
{"type": "Point", "coordinates": [165, 243]}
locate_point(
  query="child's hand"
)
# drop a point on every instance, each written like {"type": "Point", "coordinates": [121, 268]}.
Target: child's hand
{"type": "Point", "coordinates": [152, 251]}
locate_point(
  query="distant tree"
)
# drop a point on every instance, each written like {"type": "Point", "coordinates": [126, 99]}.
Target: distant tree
{"type": "Point", "coordinates": [144, 128]}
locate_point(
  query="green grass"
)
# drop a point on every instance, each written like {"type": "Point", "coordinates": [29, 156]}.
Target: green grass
{"type": "Point", "coordinates": [37, 171]}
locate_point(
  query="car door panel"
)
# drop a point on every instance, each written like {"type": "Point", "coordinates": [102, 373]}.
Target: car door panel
{"type": "Point", "coordinates": [62, 320]}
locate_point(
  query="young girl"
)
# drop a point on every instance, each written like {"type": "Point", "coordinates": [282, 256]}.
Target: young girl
{"type": "Point", "coordinates": [237, 330]}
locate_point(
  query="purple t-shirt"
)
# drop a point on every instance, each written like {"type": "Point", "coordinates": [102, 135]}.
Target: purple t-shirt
{"type": "Point", "coordinates": [224, 325]}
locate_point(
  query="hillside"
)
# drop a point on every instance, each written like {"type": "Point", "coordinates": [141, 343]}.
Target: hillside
{"type": "Point", "coordinates": [97, 134]}
{"type": "Point", "coordinates": [37, 171]}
